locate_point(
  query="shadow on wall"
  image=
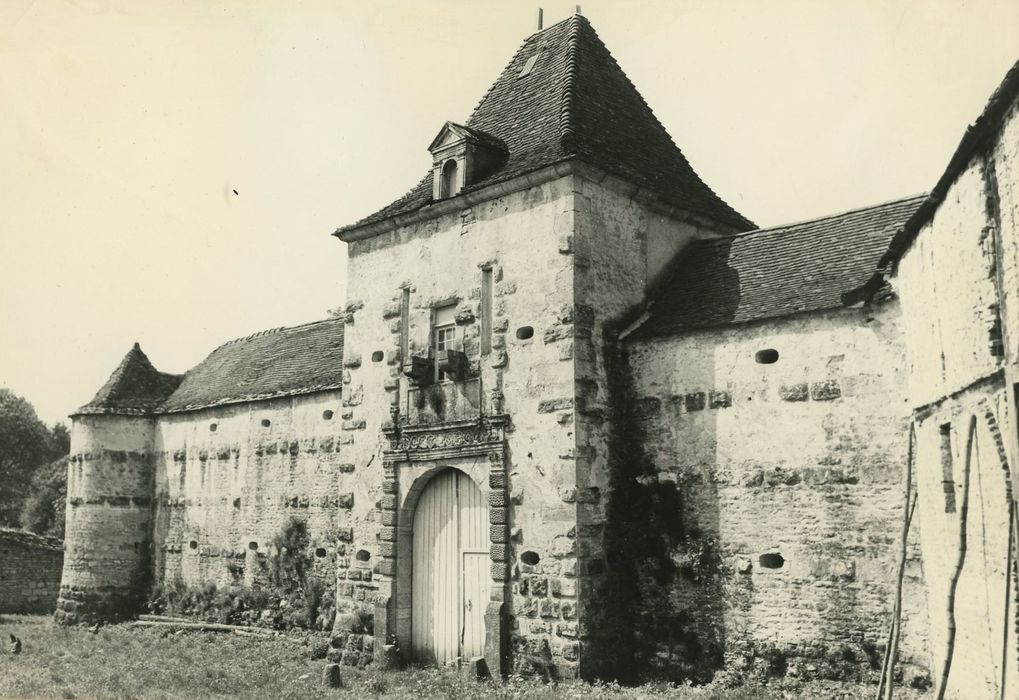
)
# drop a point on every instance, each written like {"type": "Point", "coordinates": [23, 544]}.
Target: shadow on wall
{"type": "Point", "coordinates": [658, 611]}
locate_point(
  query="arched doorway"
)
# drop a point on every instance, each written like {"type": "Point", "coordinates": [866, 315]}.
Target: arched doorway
{"type": "Point", "coordinates": [451, 575]}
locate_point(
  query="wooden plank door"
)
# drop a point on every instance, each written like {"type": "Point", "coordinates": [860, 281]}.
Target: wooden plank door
{"type": "Point", "coordinates": [475, 568]}
{"type": "Point", "coordinates": [450, 582]}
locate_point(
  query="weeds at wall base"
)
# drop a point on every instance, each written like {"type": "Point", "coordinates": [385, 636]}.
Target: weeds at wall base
{"type": "Point", "coordinates": [288, 597]}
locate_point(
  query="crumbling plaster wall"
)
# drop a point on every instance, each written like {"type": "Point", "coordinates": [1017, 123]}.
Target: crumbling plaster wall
{"type": "Point", "coordinates": [951, 281]}
{"type": "Point", "coordinates": [228, 478]}
{"type": "Point", "coordinates": [1003, 193]}
{"type": "Point", "coordinates": [524, 238]}
{"type": "Point", "coordinates": [804, 458]}
{"type": "Point", "coordinates": [981, 614]}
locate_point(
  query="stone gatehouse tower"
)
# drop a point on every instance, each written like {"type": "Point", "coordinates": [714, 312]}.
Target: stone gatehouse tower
{"type": "Point", "coordinates": [544, 219]}
{"type": "Point", "coordinates": [577, 414]}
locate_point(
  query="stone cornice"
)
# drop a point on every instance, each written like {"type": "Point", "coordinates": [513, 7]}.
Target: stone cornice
{"type": "Point", "coordinates": [572, 166]}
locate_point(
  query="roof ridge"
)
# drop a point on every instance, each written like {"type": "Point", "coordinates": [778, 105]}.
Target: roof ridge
{"type": "Point", "coordinates": [640, 96]}
{"type": "Point", "coordinates": [984, 127]}
{"type": "Point", "coordinates": [567, 135]}
{"type": "Point", "coordinates": [649, 110]}
{"type": "Point", "coordinates": [801, 222]}
{"type": "Point", "coordinates": [272, 331]}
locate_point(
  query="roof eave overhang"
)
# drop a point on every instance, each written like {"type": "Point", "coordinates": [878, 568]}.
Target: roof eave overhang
{"type": "Point", "coordinates": [113, 411]}
{"type": "Point", "coordinates": [231, 401]}
{"type": "Point", "coordinates": [646, 196]}
{"type": "Point", "coordinates": [977, 138]}
{"type": "Point", "coordinates": [636, 331]}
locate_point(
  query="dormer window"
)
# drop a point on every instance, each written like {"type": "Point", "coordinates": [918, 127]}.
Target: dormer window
{"type": "Point", "coordinates": [449, 186]}
{"type": "Point", "coordinates": [462, 156]}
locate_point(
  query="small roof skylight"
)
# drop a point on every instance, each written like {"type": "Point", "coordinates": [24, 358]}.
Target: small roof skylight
{"type": "Point", "coordinates": [528, 66]}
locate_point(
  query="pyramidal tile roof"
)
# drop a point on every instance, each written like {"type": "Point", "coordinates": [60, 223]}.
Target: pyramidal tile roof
{"type": "Point", "coordinates": [808, 266]}
{"type": "Point", "coordinates": [134, 388]}
{"type": "Point", "coordinates": [576, 102]}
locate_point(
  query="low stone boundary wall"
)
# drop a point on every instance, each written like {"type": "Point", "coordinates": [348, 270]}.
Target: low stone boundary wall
{"type": "Point", "coordinates": [30, 568]}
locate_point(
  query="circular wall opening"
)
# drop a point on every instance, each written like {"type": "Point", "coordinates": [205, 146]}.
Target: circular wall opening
{"type": "Point", "coordinates": [266, 422]}
{"type": "Point", "coordinates": [767, 356]}
{"type": "Point", "coordinates": [377, 356]}
{"type": "Point", "coordinates": [320, 552]}
{"type": "Point", "coordinates": [212, 427]}
{"type": "Point", "coordinates": [530, 558]}
{"type": "Point", "coordinates": [525, 333]}
{"type": "Point", "coordinates": [771, 560]}
{"type": "Point", "coordinates": [363, 555]}
{"type": "Point", "coordinates": [192, 544]}
{"type": "Point", "coordinates": [253, 546]}
{"type": "Point", "coordinates": [327, 415]}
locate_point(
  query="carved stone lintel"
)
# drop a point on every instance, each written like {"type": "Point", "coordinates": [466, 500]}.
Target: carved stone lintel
{"type": "Point", "coordinates": [444, 437]}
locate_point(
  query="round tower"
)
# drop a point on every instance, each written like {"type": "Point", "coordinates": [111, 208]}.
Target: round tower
{"type": "Point", "coordinates": [107, 557]}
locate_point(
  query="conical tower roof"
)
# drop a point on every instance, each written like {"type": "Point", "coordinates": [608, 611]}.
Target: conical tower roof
{"type": "Point", "coordinates": [576, 102]}
{"type": "Point", "coordinates": [134, 388]}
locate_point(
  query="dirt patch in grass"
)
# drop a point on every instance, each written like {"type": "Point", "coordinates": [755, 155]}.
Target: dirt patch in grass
{"type": "Point", "coordinates": [129, 662]}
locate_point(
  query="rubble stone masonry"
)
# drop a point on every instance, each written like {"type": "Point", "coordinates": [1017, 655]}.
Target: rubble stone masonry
{"type": "Point", "coordinates": [794, 468]}
{"type": "Point", "coordinates": [30, 568]}
{"type": "Point", "coordinates": [957, 283]}
{"type": "Point", "coordinates": [228, 479]}
{"type": "Point", "coordinates": [107, 563]}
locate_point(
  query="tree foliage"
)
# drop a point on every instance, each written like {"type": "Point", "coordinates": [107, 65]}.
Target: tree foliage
{"type": "Point", "coordinates": [44, 507]}
{"type": "Point", "coordinates": [26, 444]}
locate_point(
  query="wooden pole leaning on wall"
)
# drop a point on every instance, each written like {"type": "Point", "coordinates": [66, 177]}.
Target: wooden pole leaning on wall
{"type": "Point", "coordinates": [1009, 562]}
{"type": "Point", "coordinates": [885, 686]}
{"type": "Point", "coordinates": [960, 561]}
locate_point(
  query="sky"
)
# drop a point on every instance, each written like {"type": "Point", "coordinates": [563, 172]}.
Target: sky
{"type": "Point", "coordinates": [171, 172]}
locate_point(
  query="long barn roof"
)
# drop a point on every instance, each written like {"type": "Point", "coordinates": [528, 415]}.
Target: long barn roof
{"type": "Point", "coordinates": [808, 266]}
{"type": "Point", "coordinates": [270, 364]}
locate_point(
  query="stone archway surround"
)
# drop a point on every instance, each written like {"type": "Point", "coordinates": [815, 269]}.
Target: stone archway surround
{"type": "Point", "coordinates": [412, 457]}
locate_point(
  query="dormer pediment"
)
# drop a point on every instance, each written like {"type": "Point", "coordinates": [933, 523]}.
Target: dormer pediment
{"type": "Point", "coordinates": [462, 156]}
{"type": "Point", "coordinates": [449, 135]}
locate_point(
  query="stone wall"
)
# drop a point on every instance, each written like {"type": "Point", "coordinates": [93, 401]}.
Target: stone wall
{"type": "Point", "coordinates": [981, 614]}
{"type": "Point", "coordinates": [791, 474]}
{"type": "Point", "coordinates": [620, 246]}
{"type": "Point", "coordinates": [107, 563]}
{"type": "Point", "coordinates": [957, 283]}
{"type": "Point", "coordinates": [229, 478]}
{"type": "Point", "coordinates": [521, 238]}
{"type": "Point", "coordinates": [30, 569]}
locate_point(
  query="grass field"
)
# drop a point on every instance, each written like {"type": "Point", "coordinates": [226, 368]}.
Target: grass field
{"type": "Point", "coordinates": [130, 662]}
